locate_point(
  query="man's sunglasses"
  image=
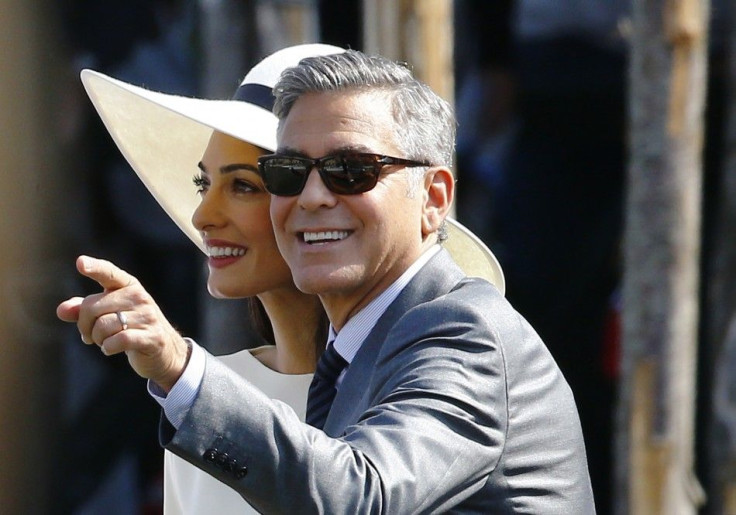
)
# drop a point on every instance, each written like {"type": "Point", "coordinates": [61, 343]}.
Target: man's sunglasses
{"type": "Point", "coordinates": [344, 174]}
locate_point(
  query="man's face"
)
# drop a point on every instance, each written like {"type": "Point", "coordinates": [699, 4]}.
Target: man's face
{"type": "Point", "coordinates": [355, 245]}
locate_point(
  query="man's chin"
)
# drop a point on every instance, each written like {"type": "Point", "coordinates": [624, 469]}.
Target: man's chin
{"type": "Point", "coordinates": [326, 282]}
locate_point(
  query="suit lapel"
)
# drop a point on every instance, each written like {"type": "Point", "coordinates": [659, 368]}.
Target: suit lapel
{"type": "Point", "coordinates": [436, 278]}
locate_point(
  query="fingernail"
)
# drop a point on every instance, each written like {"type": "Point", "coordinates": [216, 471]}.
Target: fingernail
{"type": "Point", "coordinates": [83, 262]}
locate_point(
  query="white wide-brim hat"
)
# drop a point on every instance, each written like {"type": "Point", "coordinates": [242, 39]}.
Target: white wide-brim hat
{"type": "Point", "coordinates": [164, 136]}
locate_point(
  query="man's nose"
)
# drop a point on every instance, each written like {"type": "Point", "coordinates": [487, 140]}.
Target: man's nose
{"type": "Point", "coordinates": [315, 193]}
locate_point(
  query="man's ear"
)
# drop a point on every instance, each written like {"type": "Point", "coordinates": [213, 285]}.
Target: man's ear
{"type": "Point", "coordinates": [439, 192]}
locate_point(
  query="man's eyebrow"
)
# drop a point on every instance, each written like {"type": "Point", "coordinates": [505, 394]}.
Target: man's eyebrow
{"type": "Point", "coordinates": [292, 152]}
{"type": "Point", "coordinates": [289, 151]}
{"type": "Point", "coordinates": [231, 167]}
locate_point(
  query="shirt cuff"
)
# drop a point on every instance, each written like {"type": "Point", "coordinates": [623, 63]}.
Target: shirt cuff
{"type": "Point", "coordinates": [179, 400]}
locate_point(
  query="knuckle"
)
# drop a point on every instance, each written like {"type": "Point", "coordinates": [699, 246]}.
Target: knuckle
{"type": "Point", "coordinates": [149, 318]}
{"type": "Point", "coordinates": [139, 296]}
{"type": "Point", "coordinates": [122, 338]}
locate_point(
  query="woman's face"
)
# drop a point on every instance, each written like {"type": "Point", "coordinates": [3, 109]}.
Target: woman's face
{"type": "Point", "coordinates": [234, 221]}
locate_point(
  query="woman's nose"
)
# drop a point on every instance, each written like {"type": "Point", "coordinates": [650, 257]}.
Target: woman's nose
{"type": "Point", "coordinates": [208, 213]}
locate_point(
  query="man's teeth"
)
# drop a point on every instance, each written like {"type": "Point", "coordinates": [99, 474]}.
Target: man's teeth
{"type": "Point", "coordinates": [310, 237]}
{"type": "Point", "coordinates": [225, 251]}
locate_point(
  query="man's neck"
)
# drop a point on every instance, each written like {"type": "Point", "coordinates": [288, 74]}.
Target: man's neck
{"type": "Point", "coordinates": [342, 306]}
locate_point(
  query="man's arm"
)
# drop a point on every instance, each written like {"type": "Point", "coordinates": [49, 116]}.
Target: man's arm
{"type": "Point", "coordinates": [432, 434]}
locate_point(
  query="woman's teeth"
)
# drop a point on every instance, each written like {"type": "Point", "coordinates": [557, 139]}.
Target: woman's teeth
{"type": "Point", "coordinates": [225, 251]}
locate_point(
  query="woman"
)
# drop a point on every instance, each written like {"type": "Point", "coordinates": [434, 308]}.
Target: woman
{"type": "Point", "coordinates": [167, 139]}
{"type": "Point", "coordinates": [161, 136]}
{"type": "Point", "coordinates": [244, 261]}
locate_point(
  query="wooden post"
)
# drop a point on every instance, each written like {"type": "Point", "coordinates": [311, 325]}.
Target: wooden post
{"type": "Point", "coordinates": [417, 31]}
{"type": "Point", "coordinates": [660, 294]}
{"type": "Point", "coordinates": [36, 89]}
{"type": "Point", "coordinates": [382, 26]}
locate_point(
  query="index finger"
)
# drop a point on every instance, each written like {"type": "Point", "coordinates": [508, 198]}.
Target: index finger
{"type": "Point", "coordinates": [107, 275]}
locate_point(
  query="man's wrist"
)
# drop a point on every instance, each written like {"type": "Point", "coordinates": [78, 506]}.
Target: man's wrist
{"type": "Point", "coordinates": [176, 403]}
{"type": "Point", "coordinates": [176, 371]}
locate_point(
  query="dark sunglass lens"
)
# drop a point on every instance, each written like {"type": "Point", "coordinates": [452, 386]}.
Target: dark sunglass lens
{"type": "Point", "coordinates": [284, 176]}
{"type": "Point", "coordinates": [349, 175]}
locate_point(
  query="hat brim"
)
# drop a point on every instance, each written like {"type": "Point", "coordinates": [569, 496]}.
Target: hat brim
{"type": "Point", "coordinates": [164, 136]}
{"type": "Point", "coordinates": [472, 255]}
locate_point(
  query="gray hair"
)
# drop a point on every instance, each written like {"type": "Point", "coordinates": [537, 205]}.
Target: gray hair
{"type": "Point", "coordinates": [425, 123]}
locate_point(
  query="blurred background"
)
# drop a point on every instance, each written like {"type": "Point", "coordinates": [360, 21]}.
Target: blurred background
{"type": "Point", "coordinates": [592, 136]}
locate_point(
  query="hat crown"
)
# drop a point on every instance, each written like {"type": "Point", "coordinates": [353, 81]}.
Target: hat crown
{"type": "Point", "coordinates": [268, 71]}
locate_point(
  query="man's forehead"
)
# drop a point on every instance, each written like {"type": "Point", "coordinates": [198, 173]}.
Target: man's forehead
{"type": "Point", "coordinates": [337, 120]}
{"type": "Point", "coordinates": [358, 106]}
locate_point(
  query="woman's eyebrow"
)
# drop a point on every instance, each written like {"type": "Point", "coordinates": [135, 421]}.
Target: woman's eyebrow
{"type": "Point", "coordinates": [231, 167]}
{"type": "Point", "coordinates": [238, 166]}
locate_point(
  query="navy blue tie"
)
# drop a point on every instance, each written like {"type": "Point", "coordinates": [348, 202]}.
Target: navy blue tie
{"type": "Point", "coordinates": [322, 390]}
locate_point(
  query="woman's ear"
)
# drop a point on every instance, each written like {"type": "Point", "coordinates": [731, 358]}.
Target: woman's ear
{"type": "Point", "coordinates": [439, 192]}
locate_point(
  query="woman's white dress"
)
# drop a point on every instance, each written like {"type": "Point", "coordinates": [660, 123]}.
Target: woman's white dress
{"type": "Point", "coordinates": [187, 489]}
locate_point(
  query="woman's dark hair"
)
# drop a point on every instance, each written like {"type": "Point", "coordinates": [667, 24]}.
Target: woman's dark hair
{"type": "Point", "coordinates": [262, 326]}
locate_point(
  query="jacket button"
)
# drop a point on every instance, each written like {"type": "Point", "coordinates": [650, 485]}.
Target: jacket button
{"type": "Point", "coordinates": [222, 460]}
{"type": "Point", "coordinates": [210, 455]}
{"type": "Point", "coordinates": [231, 465]}
{"type": "Point", "coordinates": [241, 472]}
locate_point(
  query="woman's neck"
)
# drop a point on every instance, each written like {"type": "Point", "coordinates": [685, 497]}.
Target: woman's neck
{"type": "Point", "coordinates": [295, 317]}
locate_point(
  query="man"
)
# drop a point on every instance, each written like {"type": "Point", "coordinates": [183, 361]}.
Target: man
{"type": "Point", "coordinates": [448, 401]}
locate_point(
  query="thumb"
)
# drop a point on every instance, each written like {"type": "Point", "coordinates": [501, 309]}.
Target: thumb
{"type": "Point", "coordinates": [107, 275]}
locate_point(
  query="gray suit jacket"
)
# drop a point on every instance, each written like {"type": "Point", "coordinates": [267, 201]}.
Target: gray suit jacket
{"type": "Point", "coordinates": [452, 404]}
